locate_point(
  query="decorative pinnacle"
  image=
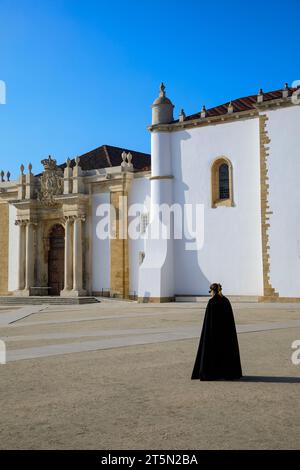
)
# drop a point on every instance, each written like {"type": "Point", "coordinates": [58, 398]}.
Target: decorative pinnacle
{"type": "Point", "coordinates": [260, 92]}
{"type": "Point", "coordinates": [182, 115]}
{"type": "Point", "coordinates": [162, 89]}
{"type": "Point", "coordinates": [230, 108]}
{"type": "Point", "coordinates": [124, 156]}
{"type": "Point", "coordinates": [203, 111]}
{"type": "Point", "coordinates": [77, 160]}
{"type": "Point", "coordinates": [22, 168]}
{"type": "Point", "coordinates": [68, 162]}
{"type": "Point", "coordinates": [30, 167]}
{"type": "Point", "coordinates": [129, 158]}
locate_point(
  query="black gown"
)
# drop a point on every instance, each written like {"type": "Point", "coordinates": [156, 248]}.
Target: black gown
{"type": "Point", "coordinates": [218, 355]}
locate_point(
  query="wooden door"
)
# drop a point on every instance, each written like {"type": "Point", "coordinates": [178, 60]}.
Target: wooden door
{"type": "Point", "coordinates": [56, 260]}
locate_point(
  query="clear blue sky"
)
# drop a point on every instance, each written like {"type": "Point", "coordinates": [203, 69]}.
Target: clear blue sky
{"type": "Point", "coordinates": [82, 73]}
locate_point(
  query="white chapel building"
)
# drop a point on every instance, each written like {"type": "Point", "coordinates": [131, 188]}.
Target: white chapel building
{"type": "Point", "coordinates": [239, 163]}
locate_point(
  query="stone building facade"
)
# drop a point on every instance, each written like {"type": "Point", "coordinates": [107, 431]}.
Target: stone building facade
{"type": "Point", "coordinates": [238, 161]}
{"type": "Point", "coordinates": [48, 225]}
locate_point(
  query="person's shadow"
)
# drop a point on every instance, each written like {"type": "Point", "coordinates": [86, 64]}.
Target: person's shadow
{"type": "Point", "coordinates": [268, 379]}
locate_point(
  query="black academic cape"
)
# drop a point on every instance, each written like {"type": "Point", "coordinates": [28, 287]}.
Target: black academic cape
{"type": "Point", "coordinates": [218, 355]}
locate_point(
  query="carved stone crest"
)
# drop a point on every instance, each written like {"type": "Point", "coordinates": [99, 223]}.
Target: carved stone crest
{"type": "Point", "coordinates": [51, 182]}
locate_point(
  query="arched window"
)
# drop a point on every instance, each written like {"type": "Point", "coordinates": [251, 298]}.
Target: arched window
{"type": "Point", "coordinates": [224, 181]}
{"type": "Point", "coordinates": [221, 182]}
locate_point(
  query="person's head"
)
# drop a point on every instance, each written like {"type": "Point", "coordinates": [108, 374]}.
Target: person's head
{"type": "Point", "coordinates": [215, 288]}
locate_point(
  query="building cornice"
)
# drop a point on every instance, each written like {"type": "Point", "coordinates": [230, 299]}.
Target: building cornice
{"type": "Point", "coordinates": [8, 191]}
{"type": "Point", "coordinates": [223, 118]}
{"type": "Point", "coordinates": [200, 122]}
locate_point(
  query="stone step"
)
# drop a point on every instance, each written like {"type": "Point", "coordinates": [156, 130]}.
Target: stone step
{"type": "Point", "coordinates": [205, 298]}
{"type": "Point", "coordinates": [39, 300]}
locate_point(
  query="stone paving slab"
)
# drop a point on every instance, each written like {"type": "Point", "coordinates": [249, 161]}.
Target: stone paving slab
{"type": "Point", "coordinates": [59, 349]}
{"type": "Point", "coordinates": [127, 338]}
{"type": "Point", "coordinates": [13, 316]}
{"type": "Point", "coordinates": [263, 326]}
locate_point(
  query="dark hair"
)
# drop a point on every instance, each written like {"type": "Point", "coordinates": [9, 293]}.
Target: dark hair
{"type": "Point", "coordinates": [215, 288]}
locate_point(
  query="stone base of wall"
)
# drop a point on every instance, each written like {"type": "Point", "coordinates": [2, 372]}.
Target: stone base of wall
{"type": "Point", "coordinates": [279, 299]}
{"type": "Point", "coordinates": [156, 300]}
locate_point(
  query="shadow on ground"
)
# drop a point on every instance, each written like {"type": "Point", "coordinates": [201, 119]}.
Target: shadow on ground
{"type": "Point", "coordinates": [268, 379]}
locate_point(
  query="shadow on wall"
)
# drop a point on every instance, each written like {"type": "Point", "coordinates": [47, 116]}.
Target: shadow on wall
{"type": "Point", "coordinates": [189, 278]}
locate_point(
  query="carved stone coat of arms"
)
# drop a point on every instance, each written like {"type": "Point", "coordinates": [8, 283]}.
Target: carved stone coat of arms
{"type": "Point", "coordinates": [51, 182]}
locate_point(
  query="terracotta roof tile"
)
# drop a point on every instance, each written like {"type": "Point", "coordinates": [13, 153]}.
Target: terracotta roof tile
{"type": "Point", "coordinates": [108, 156]}
{"type": "Point", "coordinates": [239, 105]}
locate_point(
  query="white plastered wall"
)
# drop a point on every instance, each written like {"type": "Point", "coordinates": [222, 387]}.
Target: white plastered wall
{"type": "Point", "coordinates": [139, 194]}
{"type": "Point", "coordinates": [231, 253]}
{"type": "Point", "coordinates": [100, 245]}
{"type": "Point", "coordinates": [283, 127]}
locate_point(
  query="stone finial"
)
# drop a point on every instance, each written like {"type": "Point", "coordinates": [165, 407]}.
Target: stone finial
{"type": "Point", "coordinates": [29, 178]}
{"type": "Point", "coordinates": [162, 108]}
{"type": "Point", "coordinates": [2, 176]}
{"type": "Point", "coordinates": [182, 116]}
{"type": "Point", "coordinates": [260, 96]}
{"type": "Point", "coordinates": [22, 185]}
{"type": "Point", "coordinates": [8, 176]}
{"type": "Point", "coordinates": [68, 173]}
{"type": "Point", "coordinates": [124, 162]}
{"type": "Point", "coordinates": [162, 90]}
{"type": "Point", "coordinates": [78, 184]}
{"type": "Point", "coordinates": [285, 91]}
{"type": "Point", "coordinates": [230, 108]}
{"type": "Point", "coordinates": [203, 111]}
{"type": "Point", "coordinates": [129, 159]}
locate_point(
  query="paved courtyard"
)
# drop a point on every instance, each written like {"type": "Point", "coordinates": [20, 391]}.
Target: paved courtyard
{"type": "Point", "coordinates": [116, 375]}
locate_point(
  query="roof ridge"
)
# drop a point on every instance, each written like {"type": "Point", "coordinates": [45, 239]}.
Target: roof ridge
{"type": "Point", "coordinates": [107, 155]}
{"type": "Point", "coordinates": [125, 149]}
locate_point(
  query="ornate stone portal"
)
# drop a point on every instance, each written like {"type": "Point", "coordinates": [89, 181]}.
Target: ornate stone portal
{"type": "Point", "coordinates": [52, 199]}
{"type": "Point", "coordinates": [53, 241]}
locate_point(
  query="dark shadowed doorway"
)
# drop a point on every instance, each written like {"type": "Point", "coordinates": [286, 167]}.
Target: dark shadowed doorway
{"type": "Point", "coordinates": [56, 260]}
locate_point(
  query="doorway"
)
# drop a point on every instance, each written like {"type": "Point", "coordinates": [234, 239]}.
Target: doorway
{"type": "Point", "coordinates": [56, 256]}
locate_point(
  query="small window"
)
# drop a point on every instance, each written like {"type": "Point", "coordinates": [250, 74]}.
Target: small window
{"type": "Point", "coordinates": [224, 181]}
{"type": "Point", "coordinates": [221, 183]}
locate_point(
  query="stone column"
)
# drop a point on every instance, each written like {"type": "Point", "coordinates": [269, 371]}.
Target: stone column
{"type": "Point", "coordinates": [77, 258]}
{"type": "Point", "coordinates": [29, 277]}
{"type": "Point", "coordinates": [68, 256]}
{"type": "Point", "coordinates": [4, 242]}
{"type": "Point", "coordinates": [21, 258]}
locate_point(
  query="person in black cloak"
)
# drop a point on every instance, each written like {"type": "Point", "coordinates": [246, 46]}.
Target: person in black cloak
{"type": "Point", "coordinates": [218, 355]}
